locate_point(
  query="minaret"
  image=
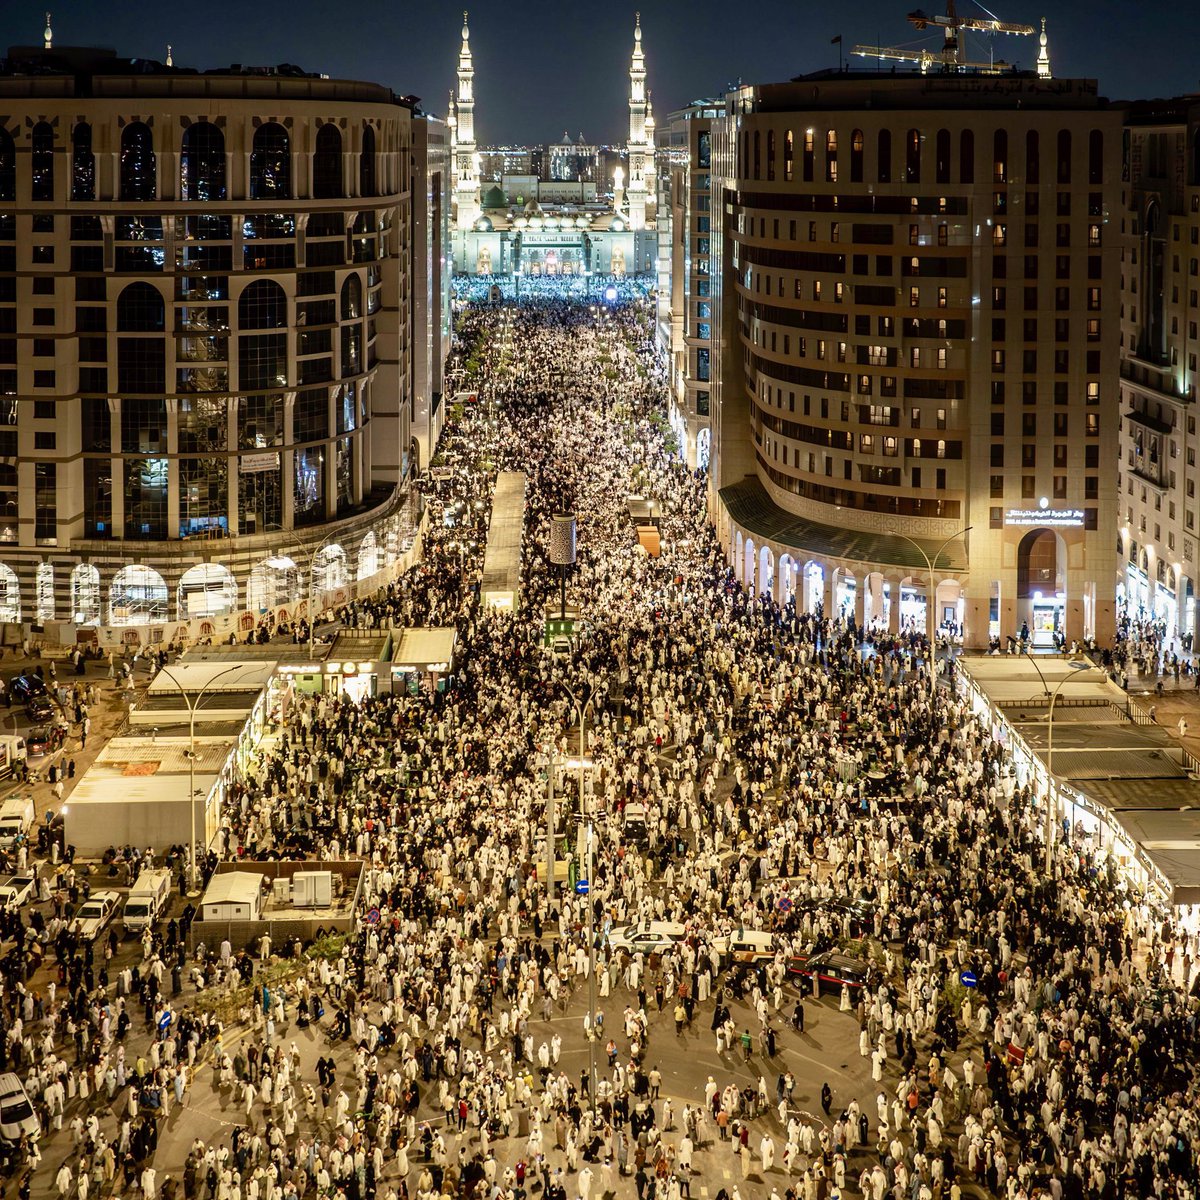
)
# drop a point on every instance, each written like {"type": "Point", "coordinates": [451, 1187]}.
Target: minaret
{"type": "Point", "coordinates": [49, 34]}
{"type": "Point", "coordinates": [636, 191]}
{"type": "Point", "coordinates": [452, 125]}
{"type": "Point", "coordinates": [651, 165]}
{"type": "Point", "coordinates": [170, 59]}
{"type": "Point", "coordinates": [466, 190]}
{"type": "Point", "coordinates": [1043, 60]}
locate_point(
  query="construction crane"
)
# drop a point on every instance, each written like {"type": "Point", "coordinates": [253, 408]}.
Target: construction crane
{"type": "Point", "coordinates": [949, 58]}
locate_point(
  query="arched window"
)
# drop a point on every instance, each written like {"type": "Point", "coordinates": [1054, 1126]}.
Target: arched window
{"type": "Point", "coordinates": [912, 156]}
{"type": "Point", "coordinates": [831, 148]}
{"type": "Point", "coordinates": [262, 305]}
{"type": "Point", "coordinates": [85, 595]}
{"type": "Point", "coordinates": [368, 557]}
{"type": "Point", "coordinates": [1064, 156]}
{"type": "Point", "coordinates": [43, 594]}
{"type": "Point", "coordinates": [942, 156]}
{"type": "Point", "coordinates": [138, 596]}
{"type": "Point", "coordinates": [1095, 157]}
{"type": "Point", "coordinates": [789, 149]}
{"type": "Point", "coordinates": [10, 595]}
{"type": "Point", "coordinates": [83, 166]}
{"type": "Point", "coordinates": [856, 156]}
{"type": "Point", "coordinates": [1000, 156]}
{"type": "Point", "coordinates": [883, 156]}
{"type": "Point", "coordinates": [275, 581]}
{"type": "Point", "coordinates": [327, 163]}
{"type": "Point", "coordinates": [351, 298]}
{"type": "Point", "coordinates": [206, 590]}
{"type": "Point", "coordinates": [139, 163]}
{"type": "Point", "coordinates": [41, 152]}
{"type": "Point", "coordinates": [328, 570]}
{"type": "Point", "coordinates": [140, 309]}
{"type": "Point", "coordinates": [271, 163]}
{"type": "Point", "coordinates": [366, 163]}
{"type": "Point", "coordinates": [1033, 157]}
{"type": "Point", "coordinates": [202, 162]}
{"type": "Point", "coordinates": [8, 166]}
{"type": "Point", "coordinates": [141, 361]}
{"type": "Point", "coordinates": [966, 156]}
{"type": "Point", "coordinates": [262, 358]}
{"type": "Point", "coordinates": [757, 155]}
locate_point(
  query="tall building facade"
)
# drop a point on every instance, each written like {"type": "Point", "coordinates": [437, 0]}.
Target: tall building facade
{"type": "Point", "coordinates": [1158, 513]}
{"type": "Point", "coordinates": [916, 287]}
{"type": "Point", "coordinates": [206, 338]}
{"type": "Point", "coordinates": [685, 280]}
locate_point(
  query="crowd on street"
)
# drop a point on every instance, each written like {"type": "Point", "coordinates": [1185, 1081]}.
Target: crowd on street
{"type": "Point", "coordinates": [748, 767]}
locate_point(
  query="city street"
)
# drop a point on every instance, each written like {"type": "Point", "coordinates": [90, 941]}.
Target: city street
{"type": "Point", "coordinates": [768, 792]}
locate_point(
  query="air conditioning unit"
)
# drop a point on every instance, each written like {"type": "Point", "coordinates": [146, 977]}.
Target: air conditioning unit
{"type": "Point", "coordinates": [281, 889]}
{"type": "Point", "coordinates": [312, 889]}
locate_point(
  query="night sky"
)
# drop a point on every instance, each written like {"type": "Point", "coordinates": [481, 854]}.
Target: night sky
{"type": "Point", "coordinates": [542, 67]}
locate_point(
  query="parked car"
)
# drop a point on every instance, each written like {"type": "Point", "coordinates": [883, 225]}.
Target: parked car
{"type": "Point", "coordinates": [39, 708]}
{"type": "Point", "coordinates": [95, 913]}
{"type": "Point", "coordinates": [834, 969]}
{"type": "Point", "coordinates": [17, 1117]}
{"type": "Point", "coordinates": [16, 890]}
{"type": "Point", "coordinates": [24, 687]}
{"type": "Point", "coordinates": [45, 739]}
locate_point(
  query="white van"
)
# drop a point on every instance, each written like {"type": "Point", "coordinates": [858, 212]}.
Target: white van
{"type": "Point", "coordinates": [148, 898]}
{"type": "Point", "coordinates": [16, 1113]}
{"type": "Point", "coordinates": [751, 946]}
{"type": "Point", "coordinates": [16, 820]}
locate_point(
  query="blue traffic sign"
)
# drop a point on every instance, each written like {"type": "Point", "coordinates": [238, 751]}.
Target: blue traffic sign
{"type": "Point", "coordinates": [372, 916]}
{"type": "Point", "coordinates": [967, 979]}
{"type": "Point", "coordinates": [164, 1022]}
{"type": "Point", "coordinates": [581, 887]}
{"type": "Point", "coordinates": [785, 904]}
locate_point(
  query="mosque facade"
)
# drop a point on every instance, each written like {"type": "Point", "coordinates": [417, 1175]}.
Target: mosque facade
{"type": "Point", "coordinates": [560, 227]}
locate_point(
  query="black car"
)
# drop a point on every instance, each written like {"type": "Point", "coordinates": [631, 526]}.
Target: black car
{"type": "Point", "coordinates": [834, 969]}
{"type": "Point", "coordinates": [25, 687]}
{"type": "Point", "coordinates": [39, 708]}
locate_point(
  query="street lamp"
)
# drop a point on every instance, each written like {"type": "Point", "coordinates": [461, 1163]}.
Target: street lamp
{"type": "Point", "coordinates": [193, 705]}
{"type": "Point", "coordinates": [930, 597]}
{"type": "Point", "coordinates": [582, 710]}
{"type": "Point", "coordinates": [1077, 670]}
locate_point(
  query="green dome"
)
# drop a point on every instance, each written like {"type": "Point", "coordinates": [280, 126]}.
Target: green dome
{"type": "Point", "coordinates": [493, 197]}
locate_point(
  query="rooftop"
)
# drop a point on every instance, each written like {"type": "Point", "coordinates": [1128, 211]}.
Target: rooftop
{"type": "Point", "coordinates": [1119, 766]}
{"type": "Point", "coordinates": [98, 71]}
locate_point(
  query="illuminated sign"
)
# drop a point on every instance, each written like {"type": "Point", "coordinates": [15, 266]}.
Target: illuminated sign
{"type": "Point", "coordinates": [1054, 518]}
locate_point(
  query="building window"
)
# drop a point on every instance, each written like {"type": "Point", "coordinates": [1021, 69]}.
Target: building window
{"type": "Point", "coordinates": [41, 146]}
{"type": "Point", "coordinates": [202, 162]}
{"type": "Point", "coordinates": [366, 163]}
{"type": "Point", "coordinates": [8, 167]}
{"type": "Point", "coordinates": [271, 163]}
{"type": "Point", "coordinates": [83, 163]}
{"type": "Point", "coordinates": [327, 163]}
{"type": "Point", "coordinates": [45, 487]}
{"type": "Point", "coordinates": [139, 164]}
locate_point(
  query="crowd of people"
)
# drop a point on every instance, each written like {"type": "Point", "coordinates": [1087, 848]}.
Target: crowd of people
{"type": "Point", "coordinates": [790, 777]}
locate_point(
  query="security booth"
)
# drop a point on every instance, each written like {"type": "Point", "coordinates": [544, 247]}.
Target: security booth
{"type": "Point", "coordinates": [423, 659]}
{"type": "Point", "coordinates": [356, 659]}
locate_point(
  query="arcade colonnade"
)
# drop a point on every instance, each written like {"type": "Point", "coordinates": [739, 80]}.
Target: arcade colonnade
{"type": "Point", "coordinates": [885, 598]}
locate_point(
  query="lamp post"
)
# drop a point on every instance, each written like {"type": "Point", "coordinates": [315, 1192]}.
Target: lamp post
{"type": "Point", "coordinates": [312, 594]}
{"type": "Point", "coordinates": [930, 596]}
{"type": "Point", "coordinates": [582, 710]}
{"type": "Point", "coordinates": [193, 705]}
{"type": "Point", "coordinates": [1077, 670]}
